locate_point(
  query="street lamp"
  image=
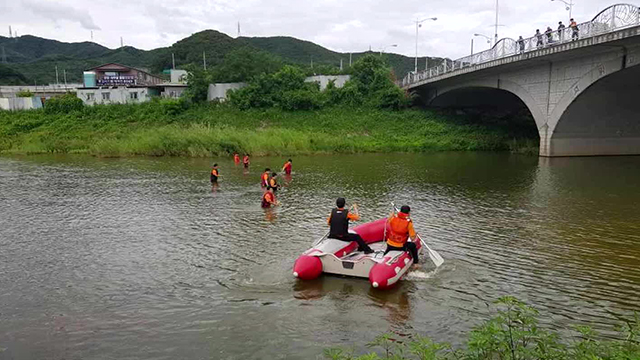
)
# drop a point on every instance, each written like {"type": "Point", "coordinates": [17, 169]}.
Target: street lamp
{"type": "Point", "coordinates": [418, 24]}
{"type": "Point", "coordinates": [569, 6]}
{"type": "Point", "coordinates": [384, 47]}
{"type": "Point", "coordinates": [486, 37]}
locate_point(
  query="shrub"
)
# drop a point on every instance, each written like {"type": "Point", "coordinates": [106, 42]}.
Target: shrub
{"type": "Point", "coordinates": [24, 93]}
{"type": "Point", "coordinates": [63, 104]}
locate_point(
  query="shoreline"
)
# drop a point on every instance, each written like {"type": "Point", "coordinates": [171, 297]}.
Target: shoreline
{"type": "Point", "coordinates": [218, 130]}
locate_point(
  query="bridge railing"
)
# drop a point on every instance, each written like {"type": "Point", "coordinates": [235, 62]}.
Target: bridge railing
{"type": "Point", "coordinates": [611, 19]}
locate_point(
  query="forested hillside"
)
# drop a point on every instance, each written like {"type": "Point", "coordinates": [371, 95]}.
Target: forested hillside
{"type": "Point", "coordinates": [29, 59]}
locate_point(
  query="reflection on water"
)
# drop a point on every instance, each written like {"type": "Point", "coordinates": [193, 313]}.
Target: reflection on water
{"type": "Point", "coordinates": [142, 258]}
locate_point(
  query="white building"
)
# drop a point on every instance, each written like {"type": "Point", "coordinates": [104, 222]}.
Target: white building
{"type": "Point", "coordinates": [115, 95]}
{"type": "Point", "coordinates": [323, 80]}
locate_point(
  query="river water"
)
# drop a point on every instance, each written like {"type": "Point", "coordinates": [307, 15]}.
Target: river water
{"type": "Point", "coordinates": [139, 259]}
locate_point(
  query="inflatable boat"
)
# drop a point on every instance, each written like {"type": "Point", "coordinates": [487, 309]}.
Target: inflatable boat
{"type": "Point", "coordinates": [339, 257]}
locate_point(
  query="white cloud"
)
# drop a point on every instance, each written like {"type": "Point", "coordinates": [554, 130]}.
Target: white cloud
{"type": "Point", "coordinates": [340, 25]}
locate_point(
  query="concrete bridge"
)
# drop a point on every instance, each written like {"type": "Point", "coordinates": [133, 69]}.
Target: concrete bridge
{"type": "Point", "coordinates": [582, 90]}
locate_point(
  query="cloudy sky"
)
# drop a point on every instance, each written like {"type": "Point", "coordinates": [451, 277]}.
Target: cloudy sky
{"type": "Point", "coordinates": [340, 25]}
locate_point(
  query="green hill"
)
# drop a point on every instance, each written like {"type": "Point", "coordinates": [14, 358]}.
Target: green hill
{"type": "Point", "coordinates": [35, 59]}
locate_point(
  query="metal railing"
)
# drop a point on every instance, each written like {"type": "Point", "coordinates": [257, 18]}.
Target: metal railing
{"type": "Point", "coordinates": [613, 18]}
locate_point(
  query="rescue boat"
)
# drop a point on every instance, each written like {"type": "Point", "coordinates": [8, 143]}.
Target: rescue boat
{"type": "Point", "coordinates": [339, 257]}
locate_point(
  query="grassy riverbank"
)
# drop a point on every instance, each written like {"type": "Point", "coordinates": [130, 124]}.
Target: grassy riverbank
{"type": "Point", "coordinates": [162, 128]}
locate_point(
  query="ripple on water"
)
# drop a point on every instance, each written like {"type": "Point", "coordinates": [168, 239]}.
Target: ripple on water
{"type": "Point", "coordinates": [97, 252]}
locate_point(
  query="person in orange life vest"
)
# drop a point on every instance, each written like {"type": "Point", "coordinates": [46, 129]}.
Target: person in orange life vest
{"type": "Point", "coordinates": [245, 160]}
{"type": "Point", "coordinates": [273, 182]}
{"type": "Point", "coordinates": [339, 225]}
{"type": "Point", "coordinates": [264, 179]}
{"type": "Point", "coordinates": [236, 158]}
{"type": "Point", "coordinates": [214, 174]}
{"type": "Point", "coordinates": [269, 199]}
{"type": "Point", "coordinates": [287, 167]}
{"type": "Point", "coordinates": [400, 230]}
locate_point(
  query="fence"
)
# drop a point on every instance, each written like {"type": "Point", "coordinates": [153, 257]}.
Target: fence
{"type": "Point", "coordinates": [611, 19]}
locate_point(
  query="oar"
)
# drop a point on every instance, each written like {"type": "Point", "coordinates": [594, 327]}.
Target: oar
{"type": "Point", "coordinates": [433, 255]}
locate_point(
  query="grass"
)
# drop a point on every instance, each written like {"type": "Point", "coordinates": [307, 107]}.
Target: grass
{"type": "Point", "coordinates": [166, 129]}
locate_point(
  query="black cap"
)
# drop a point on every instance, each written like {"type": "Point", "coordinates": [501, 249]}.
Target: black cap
{"type": "Point", "coordinates": [340, 202]}
{"type": "Point", "coordinates": [214, 165]}
{"type": "Point", "coordinates": [274, 174]}
{"type": "Point", "coordinates": [267, 169]}
{"type": "Point", "coordinates": [290, 160]}
{"type": "Point", "coordinates": [405, 209]}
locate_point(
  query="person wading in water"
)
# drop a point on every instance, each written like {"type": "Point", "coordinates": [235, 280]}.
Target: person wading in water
{"type": "Point", "coordinates": [245, 161]}
{"type": "Point", "coordinates": [215, 174]}
{"type": "Point", "coordinates": [273, 182]}
{"type": "Point", "coordinates": [339, 225]}
{"type": "Point", "coordinates": [269, 199]}
{"type": "Point", "coordinates": [287, 167]}
{"type": "Point", "coordinates": [264, 179]}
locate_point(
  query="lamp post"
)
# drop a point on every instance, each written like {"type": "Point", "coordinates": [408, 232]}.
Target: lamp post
{"type": "Point", "coordinates": [384, 47]}
{"type": "Point", "coordinates": [418, 24]}
{"type": "Point", "coordinates": [569, 6]}
{"type": "Point", "coordinates": [486, 37]}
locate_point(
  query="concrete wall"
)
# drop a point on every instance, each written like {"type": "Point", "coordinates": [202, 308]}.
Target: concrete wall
{"type": "Point", "coordinates": [9, 91]}
{"type": "Point", "coordinates": [173, 91]}
{"type": "Point", "coordinates": [20, 103]}
{"type": "Point", "coordinates": [323, 80]}
{"type": "Point", "coordinates": [178, 76]}
{"type": "Point", "coordinates": [219, 91]}
{"type": "Point", "coordinates": [121, 95]}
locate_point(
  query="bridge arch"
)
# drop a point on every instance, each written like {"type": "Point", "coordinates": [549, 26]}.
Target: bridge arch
{"type": "Point", "coordinates": [598, 114]}
{"type": "Point", "coordinates": [447, 96]}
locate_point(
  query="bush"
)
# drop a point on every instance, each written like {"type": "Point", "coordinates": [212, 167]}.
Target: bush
{"type": "Point", "coordinates": [300, 100]}
{"type": "Point", "coordinates": [63, 104]}
{"type": "Point", "coordinates": [24, 93]}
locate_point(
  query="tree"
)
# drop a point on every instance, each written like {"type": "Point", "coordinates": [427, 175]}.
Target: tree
{"type": "Point", "coordinates": [198, 81]}
{"type": "Point", "coordinates": [244, 64]}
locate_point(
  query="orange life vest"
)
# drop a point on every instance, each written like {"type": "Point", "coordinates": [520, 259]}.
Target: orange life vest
{"type": "Point", "coordinates": [399, 230]}
{"type": "Point", "coordinates": [214, 172]}
{"type": "Point", "coordinates": [265, 179]}
{"type": "Point", "coordinates": [268, 199]}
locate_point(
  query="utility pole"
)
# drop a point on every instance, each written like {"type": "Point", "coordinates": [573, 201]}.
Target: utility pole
{"type": "Point", "coordinates": [312, 62]}
{"type": "Point", "coordinates": [121, 42]}
{"type": "Point", "coordinates": [238, 28]}
{"type": "Point", "coordinates": [10, 33]}
{"type": "Point", "coordinates": [173, 60]}
{"type": "Point", "coordinates": [204, 60]}
{"type": "Point", "coordinates": [340, 64]}
{"type": "Point", "coordinates": [471, 46]}
{"type": "Point", "coordinates": [65, 79]}
{"type": "Point", "coordinates": [57, 82]}
{"type": "Point", "coordinates": [426, 63]}
{"type": "Point", "coordinates": [349, 59]}
{"type": "Point", "coordinates": [91, 35]}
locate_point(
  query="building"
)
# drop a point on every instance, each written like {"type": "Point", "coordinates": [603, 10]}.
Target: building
{"type": "Point", "coordinates": [323, 80]}
{"type": "Point", "coordinates": [119, 84]}
{"type": "Point", "coordinates": [218, 92]}
{"type": "Point", "coordinates": [118, 75]}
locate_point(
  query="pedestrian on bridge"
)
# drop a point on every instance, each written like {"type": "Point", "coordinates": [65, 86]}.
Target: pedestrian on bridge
{"type": "Point", "coordinates": [521, 44]}
{"type": "Point", "coordinates": [561, 28]}
{"type": "Point", "coordinates": [538, 35]}
{"type": "Point", "coordinates": [549, 34]}
{"type": "Point", "coordinates": [574, 29]}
